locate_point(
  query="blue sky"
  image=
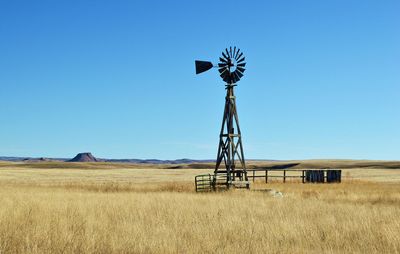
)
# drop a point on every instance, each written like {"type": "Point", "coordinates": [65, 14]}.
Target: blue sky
{"type": "Point", "coordinates": [116, 78]}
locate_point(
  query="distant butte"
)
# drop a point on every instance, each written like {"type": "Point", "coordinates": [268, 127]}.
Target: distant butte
{"type": "Point", "coordinates": [84, 157]}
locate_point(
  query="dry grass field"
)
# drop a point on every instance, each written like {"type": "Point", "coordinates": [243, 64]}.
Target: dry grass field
{"type": "Point", "coordinates": [122, 208]}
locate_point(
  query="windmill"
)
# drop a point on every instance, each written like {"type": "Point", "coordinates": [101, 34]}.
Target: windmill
{"type": "Point", "coordinates": [230, 168]}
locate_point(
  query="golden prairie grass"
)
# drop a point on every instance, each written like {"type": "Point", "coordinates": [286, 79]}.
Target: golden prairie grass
{"type": "Point", "coordinates": [110, 214]}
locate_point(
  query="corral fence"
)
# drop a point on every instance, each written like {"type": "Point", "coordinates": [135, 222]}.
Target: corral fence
{"type": "Point", "coordinates": [208, 182]}
{"type": "Point", "coordinates": [305, 175]}
{"type": "Point", "coordinates": [204, 183]}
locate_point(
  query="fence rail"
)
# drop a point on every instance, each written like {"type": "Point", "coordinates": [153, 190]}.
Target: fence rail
{"type": "Point", "coordinates": [305, 175]}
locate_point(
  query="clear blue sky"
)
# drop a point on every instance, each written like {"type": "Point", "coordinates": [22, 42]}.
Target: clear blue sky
{"type": "Point", "coordinates": [116, 78]}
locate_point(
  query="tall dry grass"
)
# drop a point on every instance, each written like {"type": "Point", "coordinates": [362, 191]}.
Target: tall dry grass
{"type": "Point", "coordinates": [356, 217]}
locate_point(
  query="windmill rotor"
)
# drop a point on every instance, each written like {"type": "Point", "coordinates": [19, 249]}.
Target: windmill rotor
{"type": "Point", "coordinates": [231, 65]}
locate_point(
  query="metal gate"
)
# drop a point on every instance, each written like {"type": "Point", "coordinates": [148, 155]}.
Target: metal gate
{"type": "Point", "coordinates": [204, 183]}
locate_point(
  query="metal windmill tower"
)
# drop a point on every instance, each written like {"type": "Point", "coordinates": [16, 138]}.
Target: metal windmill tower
{"type": "Point", "coordinates": [230, 168]}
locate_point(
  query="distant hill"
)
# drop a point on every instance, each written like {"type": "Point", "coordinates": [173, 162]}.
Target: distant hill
{"type": "Point", "coordinates": [202, 164]}
{"type": "Point", "coordinates": [41, 159]}
{"type": "Point", "coordinates": [81, 158]}
{"type": "Point", "coordinates": [156, 161]}
{"type": "Point", "coordinates": [30, 159]}
{"type": "Point", "coordinates": [84, 157]}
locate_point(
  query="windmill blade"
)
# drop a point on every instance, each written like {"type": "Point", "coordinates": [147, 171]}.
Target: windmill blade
{"type": "Point", "coordinates": [221, 70]}
{"type": "Point", "coordinates": [241, 64]}
{"type": "Point", "coordinates": [227, 79]}
{"type": "Point", "coordinates": [225, 75]}
{"type": "Point", "coordinates": [225, 56]}
{"type": "Point", "coordinates": [227, 53]}
{"type": "Point", "coordinates": [222, 65]}
{"type": "Point", "coordinates": [241, 60]}
{"type": "Point", "coordinates": [236, 76]}
{"type": "Point", "coordinates": [234, 52]}
{"type": "Point", "coordinates": [239, 56]}
{"type": "Point", "coordinates": [237, 53]}
{"type": "Point", "coordinates": [223, 60]}
{"type": "Point", "coordinates": [230, 52]}
{"type": "Point", "coordinates": [237, 72]}
{"type": "Point", "coordinates": [241, 69]}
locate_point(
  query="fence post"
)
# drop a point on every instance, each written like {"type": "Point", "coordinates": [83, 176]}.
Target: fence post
{"type": "Point", "coordinates": [284, 176]}
{"type": "Point", "coordinates": [266, 176]}
{"type": "Point", "coordinates": [302, 176]}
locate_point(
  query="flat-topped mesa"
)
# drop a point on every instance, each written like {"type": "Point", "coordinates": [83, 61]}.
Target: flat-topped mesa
{"type": "Point", "coordinates": [84, 157]}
